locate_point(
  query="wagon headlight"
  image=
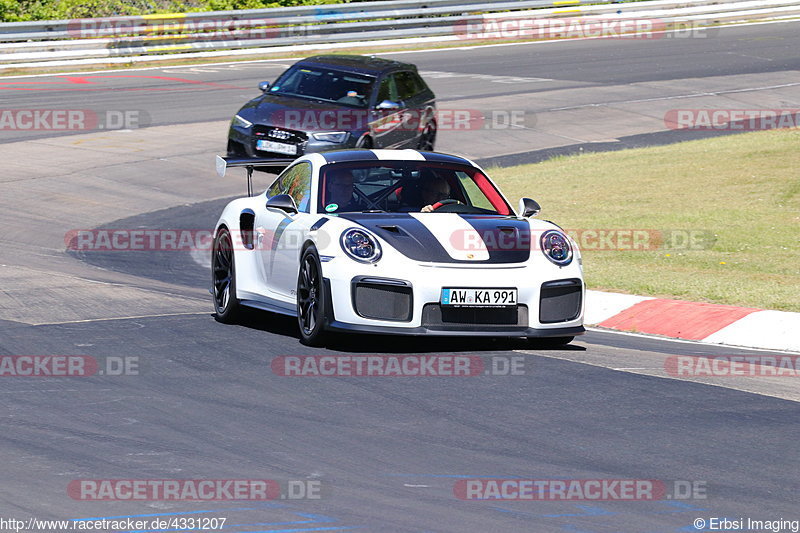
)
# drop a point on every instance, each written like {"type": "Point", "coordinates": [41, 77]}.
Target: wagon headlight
{"type": "Point", "coordinates": [556, 247]}
{"type": "Point", "coordinates": [241, 122]}
{"type": "Point", "coordinates": [333, 137]}
{"type": "Point", "coordinates": [361, 245]}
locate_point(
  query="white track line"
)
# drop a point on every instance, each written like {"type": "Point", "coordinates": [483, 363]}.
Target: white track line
{"type": "Point", "coordinates": [685, 341]}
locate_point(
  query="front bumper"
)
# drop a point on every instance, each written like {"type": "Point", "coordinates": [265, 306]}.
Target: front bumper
{"type": "Point", "coordinates": [243, 142]}
{"type": "Point", "coordinates": [536, 314]}
{"type": "Point", "coordinates": [484, 332]}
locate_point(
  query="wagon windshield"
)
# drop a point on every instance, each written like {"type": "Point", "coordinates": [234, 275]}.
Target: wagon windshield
{"type": "Point", "coordinates": [325, 85]}
{"type": "Point", "coordinates": [408, 187]}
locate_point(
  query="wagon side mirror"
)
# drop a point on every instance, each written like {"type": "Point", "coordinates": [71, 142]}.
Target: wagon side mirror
{"type": "Point", "coordinates": [528, 207]}
{"type": "Point", "coordinates": [263, 86]}
{"type": "Point", "coordinates": [284, 202]}
{"type": "Point", "coordinates": [388, 105]}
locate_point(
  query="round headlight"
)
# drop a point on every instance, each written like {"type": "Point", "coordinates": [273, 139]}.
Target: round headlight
{"type": "Point", "coordinates": [361, 245]}
{"type": "Point", "coordinates": [556, 247]}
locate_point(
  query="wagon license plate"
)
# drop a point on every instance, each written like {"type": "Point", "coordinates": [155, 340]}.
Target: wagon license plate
{"type": "Point", "coordinates": [272, 146]}
{"type": "Point", "coordinates": [479, 297]}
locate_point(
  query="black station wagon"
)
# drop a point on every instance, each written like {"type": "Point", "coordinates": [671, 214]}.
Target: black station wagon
{"type": "Point", "coordinates": [331, 102]}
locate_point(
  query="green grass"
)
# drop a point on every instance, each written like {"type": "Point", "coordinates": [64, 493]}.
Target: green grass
{"type": "Point", "coordinates": [741, 191]}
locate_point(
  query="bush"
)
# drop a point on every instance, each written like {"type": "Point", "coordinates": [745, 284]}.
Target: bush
{"type": "Point", "coordinates": [22, 10]}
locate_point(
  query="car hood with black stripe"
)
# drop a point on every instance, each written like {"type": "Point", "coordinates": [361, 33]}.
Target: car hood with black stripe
{"type": "Point", "coordinates": [451, 237]}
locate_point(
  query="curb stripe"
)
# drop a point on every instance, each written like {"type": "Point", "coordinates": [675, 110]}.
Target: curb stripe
{"type": "Point", "coordinates": [775, 330]}
{"type": "Point", "coordinates": [676, 318]}
{"type": "Point", "coordinates": [601, 306]}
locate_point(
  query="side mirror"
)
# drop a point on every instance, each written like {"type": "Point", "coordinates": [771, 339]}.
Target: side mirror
{"type": "Point", "coordinates": [528, 207]}
{"type": "Point", "coordinates": [263, 86]}
{"type": "Point", "coordinates": [284, 202]}
{"type": "Point", "coordinates": [388, 104]}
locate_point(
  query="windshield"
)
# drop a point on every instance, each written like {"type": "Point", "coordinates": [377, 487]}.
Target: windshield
{"type": "Point", "coordinates": [408, 187]}
{"type": "Point", "coordinates": [326, 85]}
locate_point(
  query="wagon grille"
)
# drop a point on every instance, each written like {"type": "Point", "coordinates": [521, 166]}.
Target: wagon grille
{"type": "Point", "coordinates": [281, 135]}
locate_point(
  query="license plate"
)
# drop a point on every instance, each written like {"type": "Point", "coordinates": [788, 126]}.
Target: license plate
{"type": "Point", "coordinates": [479, 297]}
{"type": "Point", "coordinates": [272, 146]}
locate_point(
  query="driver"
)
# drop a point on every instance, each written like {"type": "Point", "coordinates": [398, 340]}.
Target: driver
{"type": "Point", "coordinates": [433, 189]}
{"type": "Point", "coordinates": [339, 193]}
{"type": "Point", "coordinates": [352, 98]}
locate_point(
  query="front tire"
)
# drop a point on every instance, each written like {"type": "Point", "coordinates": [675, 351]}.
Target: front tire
{"type": "Point", "coordinates": [365, 142]}
{"type": "Point", "coordinates": [428, 137]}
{"type": "Point", "coordinates": [223, 279]}
{"type": "Point", "coordinates": [235, 149]}
{"type": "Point", "coordinates": [310, 300]}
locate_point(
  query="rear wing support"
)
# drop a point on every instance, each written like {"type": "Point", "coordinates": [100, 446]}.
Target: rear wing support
{"type": "Point", "coordinates": [273, 166]}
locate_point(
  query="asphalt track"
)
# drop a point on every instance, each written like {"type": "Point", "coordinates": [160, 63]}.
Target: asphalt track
{"type": "Point", "coordinates": [387, 451]}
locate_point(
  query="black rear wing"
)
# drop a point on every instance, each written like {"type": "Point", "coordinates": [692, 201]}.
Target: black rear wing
{"type": "Point", "coordinates": [273, 166]}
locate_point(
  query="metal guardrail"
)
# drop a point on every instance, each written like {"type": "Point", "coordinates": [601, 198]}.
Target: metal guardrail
{"type": "Point", "coordinates": [283, 16]}
{"type": "Point", "coordinates": [168, 35]}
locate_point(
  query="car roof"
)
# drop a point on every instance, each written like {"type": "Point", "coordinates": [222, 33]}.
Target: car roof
{"type": "Point", "coordinates": [354, 63]}
{"type": "Point", "coordinates": [358, 155]}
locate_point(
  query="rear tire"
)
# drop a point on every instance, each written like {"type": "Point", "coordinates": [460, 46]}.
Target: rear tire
{"type": "Point", "coordinates": [311, 300]}
{"type": "Point", "coordinates": [227, 308]}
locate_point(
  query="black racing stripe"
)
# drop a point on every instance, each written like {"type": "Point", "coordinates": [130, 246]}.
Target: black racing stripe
{"type": "Point", "coordinates": [338, 156]}
{"type": "Point", "coordinates": [444, 158]}
{"type": "Point", "coordinates": [508, 240]}
{"type": "Point", "coordinates": [404, 233]}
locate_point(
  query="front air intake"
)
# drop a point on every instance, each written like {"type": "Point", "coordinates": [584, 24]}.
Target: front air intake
{"type": "Point", "coordinates": [560, 301]}
{"type": "Point", "coordinates": [383, 299]}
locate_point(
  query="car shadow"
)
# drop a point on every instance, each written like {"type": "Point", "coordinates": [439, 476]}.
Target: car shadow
{"type": "Point", "coordinates": [361, 343]}
{"type": "Point", "coordinates": [286, 326]}
{"type": "Point", "coordinates": [274, 323]}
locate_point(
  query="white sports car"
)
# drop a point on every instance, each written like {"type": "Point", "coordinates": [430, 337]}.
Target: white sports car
{"type": "Point", "coordinates": [394, 242]}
